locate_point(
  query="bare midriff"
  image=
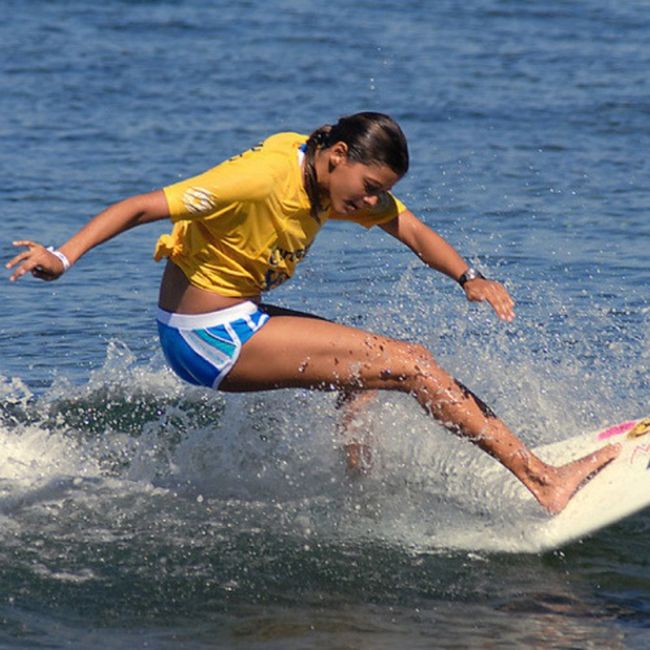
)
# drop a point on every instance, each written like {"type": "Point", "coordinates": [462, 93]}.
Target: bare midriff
{"type": "Point", "coordinates": [179, 296]}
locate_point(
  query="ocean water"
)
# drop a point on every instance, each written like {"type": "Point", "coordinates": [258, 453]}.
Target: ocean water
{"type": "Point", "coordinates": [138, 512]}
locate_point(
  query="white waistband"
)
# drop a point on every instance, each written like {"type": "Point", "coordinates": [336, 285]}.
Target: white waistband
{"type": "Point", "coordinates": [210, 319]}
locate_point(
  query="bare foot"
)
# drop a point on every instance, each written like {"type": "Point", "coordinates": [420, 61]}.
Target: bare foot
{"type": "Point", "coordinates": [555, 486]}
{"type": "Point", "coordinates": [358, 458]}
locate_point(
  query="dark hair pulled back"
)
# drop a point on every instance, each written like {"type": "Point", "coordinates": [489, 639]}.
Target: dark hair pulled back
{"type": "Point", "coordinates": [371, 138]}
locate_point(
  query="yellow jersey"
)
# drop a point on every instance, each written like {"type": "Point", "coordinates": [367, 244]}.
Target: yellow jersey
{"type": "Point", "coordinates": [241, 227]}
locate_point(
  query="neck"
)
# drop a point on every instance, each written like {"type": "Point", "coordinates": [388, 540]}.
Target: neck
{"type": "Point", "coordinates": [322, 168]}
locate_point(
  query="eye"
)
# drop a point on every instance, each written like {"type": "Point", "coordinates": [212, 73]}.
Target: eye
{"type": "Point", "coordinates": [371, 189]}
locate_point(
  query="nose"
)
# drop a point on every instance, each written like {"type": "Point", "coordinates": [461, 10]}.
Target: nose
{"type": "Point", "coordinates": [371, 200]}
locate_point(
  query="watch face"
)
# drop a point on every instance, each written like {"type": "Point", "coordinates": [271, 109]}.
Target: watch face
{"type": "Point", "coordinates": [470, 274]}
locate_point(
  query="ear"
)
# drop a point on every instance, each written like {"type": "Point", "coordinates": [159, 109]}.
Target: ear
{"type": "Point", "coordinates": [338, 153]}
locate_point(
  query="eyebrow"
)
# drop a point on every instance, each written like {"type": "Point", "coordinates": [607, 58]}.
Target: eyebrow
{"type": "Point", "coordinates": [374, 184]}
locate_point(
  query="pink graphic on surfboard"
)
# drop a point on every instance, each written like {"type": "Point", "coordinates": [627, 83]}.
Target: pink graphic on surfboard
{"type": "Point", "coordinates": [616, 430]}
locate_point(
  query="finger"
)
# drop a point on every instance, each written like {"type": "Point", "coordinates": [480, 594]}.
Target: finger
{"type": "Point", "coordinates": [495, 294]}
{"type": "Point", "coordinates": [502, 305]}
{"type": "Point", "coordinates": [506, 313]}
{"type": "Point", "coordinates": [509, 309]}
{"type": "Point", "coordinates": [24, 255]}
{"type": "Point", "coordinates": [26, 267]}
{"type": "Point", "coordinates": [505, 308]}
{"type": "Point", "coordinates": [19, 258]}
{"type": "Point", "coordinates": [498, 307]}
{"type": "Point", "coordinates": [25, 242]}
{"type": "Point", "coordinates": [507, 298]}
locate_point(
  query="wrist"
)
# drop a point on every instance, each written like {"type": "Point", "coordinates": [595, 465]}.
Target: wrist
{"type": "Point", "coordinates": [61, 257]}
{"type": "Point", "coordinates": [470, 274]}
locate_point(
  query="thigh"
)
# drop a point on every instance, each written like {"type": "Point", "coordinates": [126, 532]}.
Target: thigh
{"type": "Point", "coordinates": [292, 351]}
{"type": "Point", "coordinates": [351, 400]}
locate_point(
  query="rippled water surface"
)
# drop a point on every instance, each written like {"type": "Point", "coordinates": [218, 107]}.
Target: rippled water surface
{"type": "Point", "coordinates": [139, 512]}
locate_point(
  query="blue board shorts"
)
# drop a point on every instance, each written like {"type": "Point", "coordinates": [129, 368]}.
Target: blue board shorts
{"type": "Point", "coordinates": [203, 348]}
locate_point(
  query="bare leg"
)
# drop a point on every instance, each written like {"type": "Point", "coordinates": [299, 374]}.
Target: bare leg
{"type": "Point", "coordinates": [356, 438]}
{"type": "Point", "coordinates": [297, 352]}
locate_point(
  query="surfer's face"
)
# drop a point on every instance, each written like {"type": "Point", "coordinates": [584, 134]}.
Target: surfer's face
{"type": "Point", "coordinates": [354, 185]}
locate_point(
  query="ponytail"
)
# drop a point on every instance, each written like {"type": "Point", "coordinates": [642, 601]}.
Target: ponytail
{"type": "Point", "coordinates": [319, 139]}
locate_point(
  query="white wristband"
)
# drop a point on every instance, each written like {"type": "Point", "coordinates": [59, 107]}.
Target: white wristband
{"type": "Point", "coordinates": [64, 260]}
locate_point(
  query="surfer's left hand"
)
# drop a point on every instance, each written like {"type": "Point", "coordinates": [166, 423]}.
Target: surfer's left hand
{"type": "Point", "coordinates": [482, 289]}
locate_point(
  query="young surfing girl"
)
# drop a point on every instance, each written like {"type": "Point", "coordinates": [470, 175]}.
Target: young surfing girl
{"type": "Point", "coordinates": [241, 228]}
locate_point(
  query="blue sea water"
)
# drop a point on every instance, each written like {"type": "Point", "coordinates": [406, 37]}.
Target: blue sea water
{"type": "Point", "coordinates": [138, 512]}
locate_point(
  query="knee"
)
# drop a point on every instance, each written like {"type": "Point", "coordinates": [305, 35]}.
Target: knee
{"type": "Point", "coordinates": [424, 379]}
{"type": "Point", "coordinates": [415, 364]}
{"type": "Point", "coordinates": [418, 357]}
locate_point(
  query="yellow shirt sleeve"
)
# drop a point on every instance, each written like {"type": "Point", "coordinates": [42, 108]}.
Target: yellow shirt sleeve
{"type": "Point", "coordinates": [243, 179]}
{"type": "Point", "coordinates": [388, 207]}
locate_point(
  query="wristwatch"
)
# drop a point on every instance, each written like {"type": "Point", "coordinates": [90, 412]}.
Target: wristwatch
{"type": "Point", "coordinates": [470, 274]}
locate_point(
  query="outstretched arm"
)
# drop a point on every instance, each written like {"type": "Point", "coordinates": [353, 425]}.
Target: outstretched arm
{"type": "Point", "coordinates": [116, 219]}
{"type": "Point", "coordinates": [440, 255]}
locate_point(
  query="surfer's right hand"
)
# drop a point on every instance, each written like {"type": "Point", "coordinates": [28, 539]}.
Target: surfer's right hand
{"type": "Point", "coordinates": [37, 260]}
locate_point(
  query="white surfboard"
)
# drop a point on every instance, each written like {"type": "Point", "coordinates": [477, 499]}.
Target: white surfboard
{"type": "Point", "coordinates": [619, 490]}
